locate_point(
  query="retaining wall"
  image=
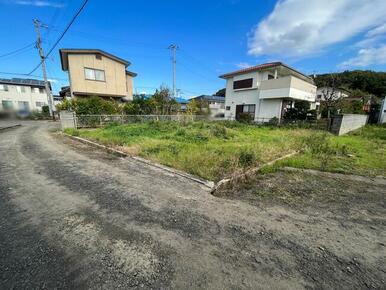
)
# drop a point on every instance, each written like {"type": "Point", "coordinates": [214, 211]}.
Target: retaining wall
{"type": "Point", "coordinates": [344, 123]}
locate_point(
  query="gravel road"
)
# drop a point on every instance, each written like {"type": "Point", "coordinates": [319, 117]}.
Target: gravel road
{"type": "Point", "coordinates": [73, 217]}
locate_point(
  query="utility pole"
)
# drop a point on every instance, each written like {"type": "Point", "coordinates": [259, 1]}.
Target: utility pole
{"type": "Point", "coordinates": [173, 48]}
{"type": "Point", "coordinates": [37, 25]}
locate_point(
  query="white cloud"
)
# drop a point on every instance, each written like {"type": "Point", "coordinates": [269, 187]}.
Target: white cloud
{"type": "Point", "coordinates": [366, 57]}
{"type": "Point", "coordinates": [303, 27]}
{"type": "Point", "coordinates": [39, 3]}
{"type": "Point", "coordinates": [242, 65]}
{"type": "Point", "coordinates": [380, 30]}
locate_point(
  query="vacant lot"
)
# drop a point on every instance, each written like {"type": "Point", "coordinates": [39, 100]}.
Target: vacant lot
{"type": "Point", "coordinates": [214, 150]}
{"type": "Point", "coordinates": [75, 217]}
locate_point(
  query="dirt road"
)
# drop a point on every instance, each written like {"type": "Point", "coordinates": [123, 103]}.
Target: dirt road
{"type": "Point", "coordinates": [75, 217]}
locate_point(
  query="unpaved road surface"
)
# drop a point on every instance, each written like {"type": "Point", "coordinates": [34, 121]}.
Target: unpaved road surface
{"type": "Point", "coordinates": [73, 217]}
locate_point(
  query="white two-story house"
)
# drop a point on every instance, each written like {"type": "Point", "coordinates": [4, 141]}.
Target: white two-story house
{"type": "Point", "coordinates": [266, 91]}
{"type": "Point", "coordinates": [22, 95]}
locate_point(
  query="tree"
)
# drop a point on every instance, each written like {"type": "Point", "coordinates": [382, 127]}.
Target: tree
{"type": "Point", "coordinates": [220, 93]}
{"type": "Point", "coordinates": [369, 82]}
{"type": "Point", "coordinates": [162, 102]}
{"type": "Point", "coordinates": [193, 108]}
{"type": "Point", "coordinates": [139, 106]}
{"type": "Point", "coordinates": [331, 96]}
{"type": "Point", "coordinates": [198, 106]}
{"type": "Point", "coordinates": [300, 111]}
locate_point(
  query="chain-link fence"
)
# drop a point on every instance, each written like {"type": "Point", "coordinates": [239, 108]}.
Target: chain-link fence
{"type": "Point", "coordinates": [94, 121]}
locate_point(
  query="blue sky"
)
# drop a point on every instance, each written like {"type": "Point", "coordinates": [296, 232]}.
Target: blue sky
{"type": "Point", "coordinates": [315, 36]}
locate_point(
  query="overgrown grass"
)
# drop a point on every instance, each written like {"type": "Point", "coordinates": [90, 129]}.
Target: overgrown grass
{"type": "Point", "coordinates": [214, 150]}
{"type": "Point", "coordinates": [361, 152]}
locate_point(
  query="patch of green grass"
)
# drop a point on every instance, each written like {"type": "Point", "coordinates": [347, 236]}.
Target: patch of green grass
{"type": "Point", "coordinates": [362, 152]}
{"type": "Point", "coordinates": [214, 150]}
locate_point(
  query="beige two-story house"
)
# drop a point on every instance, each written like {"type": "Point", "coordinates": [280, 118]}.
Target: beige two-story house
{"type": "Point", "coordinates": [94, 72]}
{"type": "Point", "coordinates": [266, 91]}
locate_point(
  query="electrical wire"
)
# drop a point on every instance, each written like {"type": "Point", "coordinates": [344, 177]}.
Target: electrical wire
{"type": "Point", "coordinates": [18, 50]}
{"type": "Point", "coordinates": [36, 76]}
{"type": "Point", "coordinates": [61, 36]}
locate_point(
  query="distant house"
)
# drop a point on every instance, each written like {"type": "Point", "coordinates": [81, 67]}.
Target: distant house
{"type": "Point", "coordinates": [94, 72]}
{"type": "Point", "coordinates": [323, 92]}
{"type": "Point", "coordinates": [216, 104]}
{"type": "Point", "coordinates": [183, 103]}
{"type": "Point", "coordinates": [57, 99]}
{"type": "Point", "coordinates": [266, 91]}
{"type": "Point", "coordinates": [22, 95]}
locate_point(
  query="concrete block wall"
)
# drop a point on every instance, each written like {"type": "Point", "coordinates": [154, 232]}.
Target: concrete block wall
{"type": "Point", "coordinates": [342, 124]}
{"type": "Point", "coordinates": [382, 117]}
{"type": "Point", "coordinates": [67, 120]}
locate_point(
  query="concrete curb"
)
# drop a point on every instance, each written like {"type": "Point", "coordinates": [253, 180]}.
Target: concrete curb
{"type": "Point", "coordinates": [10, 127]}
{"type": "Point", "coordinates": [207, 183]}
{"type": "Point", "coordinates": [249, 172]}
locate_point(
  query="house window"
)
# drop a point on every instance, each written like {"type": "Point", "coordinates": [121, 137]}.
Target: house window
{"type": "Point", "coordinates": [3, 88]}
{"type": "Point", "coordinates": [94, 74]}
{"type": "Point", "coordinates": [23, 106]}
{"type": "Point", "coordinates": [7, 105]}
{"type": "Point", "coordinates": [270, 77]}
{"type": "Point", "coordinates": [249, 109]}
{"type": "Point", "coordinates": [41, 90]}
{"type": "Point", "coordinates": [20, 89]}
{"type": "Point", "coordinates": [98, 56]}
{"type": "Point", "coordinates": [40, 104]}
{"type": "Point", "coordinates": [242, 84]}
{"type": "Point", "coordinates": [228, 108]}
{"type": "Point", "coordinates": [35, 90]}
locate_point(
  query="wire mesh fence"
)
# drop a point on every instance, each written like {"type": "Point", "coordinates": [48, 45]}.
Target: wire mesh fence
{"type": "Point", "coordinates": [94, 121]}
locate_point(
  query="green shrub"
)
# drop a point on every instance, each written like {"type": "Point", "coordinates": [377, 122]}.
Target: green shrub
{"type": "Point", "coordinates": [273, 121]}
{"type": "Point", "coordinates": [91, 106]}
{"type": "Point", "coordinates": [180, 132]}
{"type": "Point", "coordinates": [318, 144]}
{"type": "Point", "coordinates": [46, 110]}
{"type": "Point", "coordinates": [219, 131]}
{"type": "Point", "coordinates": [245, 118]}
{"type": "Point", "coordinates": [246, 158]}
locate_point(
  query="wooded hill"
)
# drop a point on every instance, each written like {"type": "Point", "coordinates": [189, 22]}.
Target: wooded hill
{"type": "Point", "coordinates": [358, 82]}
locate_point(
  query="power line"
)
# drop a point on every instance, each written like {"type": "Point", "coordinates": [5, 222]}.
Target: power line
{"type": "Point", "coordinates": [35, 76]}
{"type": "Point", "coordinates": [198, 61]}
{"type": "Point", "coordinates": [209, 79]}
{"type": "Point", "coordinates": [18, 50]}
{"type": "Point", "coordinates": [62, 35]}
